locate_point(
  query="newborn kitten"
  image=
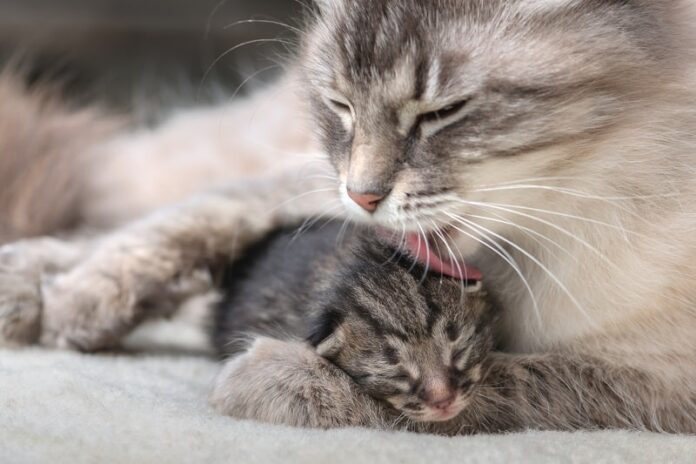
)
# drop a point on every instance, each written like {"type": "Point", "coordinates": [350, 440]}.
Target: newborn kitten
{"type": "Point", "coordinates": [413, 339]}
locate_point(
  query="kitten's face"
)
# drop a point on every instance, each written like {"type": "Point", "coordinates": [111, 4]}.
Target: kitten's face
{"type": "Point", "coordinates": [418, 347]}
{"type": "Point", "coordinates": [428, 103]}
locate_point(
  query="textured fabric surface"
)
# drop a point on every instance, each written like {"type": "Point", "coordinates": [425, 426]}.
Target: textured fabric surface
{"type": "Point", "coordinates": [58, 407]}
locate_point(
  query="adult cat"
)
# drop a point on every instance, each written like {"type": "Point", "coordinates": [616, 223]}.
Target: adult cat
{"type": "Point", "coordinates": [551, 141]}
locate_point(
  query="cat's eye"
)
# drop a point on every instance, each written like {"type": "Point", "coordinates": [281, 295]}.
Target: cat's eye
{"type": "Point", "coordinates": [444, 112]}
{"type": "Point", "coordinates": [339, 106]}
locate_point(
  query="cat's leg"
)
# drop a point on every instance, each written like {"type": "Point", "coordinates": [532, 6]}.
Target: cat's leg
{"type": "Point", "coordinates": [99, 301]}
{"type": "Point", "coordinates": [30, 266]}
{"type": "Point", "coordinates": [571, 392]}
{"type": "Point", "coordinates": [287, 383]}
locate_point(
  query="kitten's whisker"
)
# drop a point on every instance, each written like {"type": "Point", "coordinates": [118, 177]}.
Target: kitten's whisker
{"type": "Point", "coordinates": [495, 247]}
{"type": "Point", "coordinates": [530, 179]}
{"type": "Point", "coordinates": [536, 261]}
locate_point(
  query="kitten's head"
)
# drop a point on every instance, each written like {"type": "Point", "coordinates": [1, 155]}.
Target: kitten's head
{"type": "Point", "coordinates": [416, 344]}
{"type": "Point", "coordinates": [422, 104]}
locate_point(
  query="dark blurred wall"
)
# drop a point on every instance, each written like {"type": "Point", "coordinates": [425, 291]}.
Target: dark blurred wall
{"type": "Point", "coordinates": [147, 53]}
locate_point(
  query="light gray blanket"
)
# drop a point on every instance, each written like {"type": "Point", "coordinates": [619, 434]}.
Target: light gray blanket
{"type": "Point", "coordinates": [58, 407]}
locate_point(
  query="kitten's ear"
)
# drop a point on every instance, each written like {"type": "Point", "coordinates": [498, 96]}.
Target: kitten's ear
{"type": "Point", "coordinates": [325, 333]}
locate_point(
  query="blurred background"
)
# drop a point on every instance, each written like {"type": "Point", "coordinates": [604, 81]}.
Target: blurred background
{"type": "Point", "coordinates": [146, 56]}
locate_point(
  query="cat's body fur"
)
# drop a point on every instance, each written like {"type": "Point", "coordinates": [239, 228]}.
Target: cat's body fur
{"type": "Point", "coordinates": [610, 342]}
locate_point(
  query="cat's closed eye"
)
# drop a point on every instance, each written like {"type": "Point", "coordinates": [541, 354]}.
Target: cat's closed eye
{"type": "Point", "coordinates": [444, 113]}
{"type": "Point", "coordinates": [339, 106]}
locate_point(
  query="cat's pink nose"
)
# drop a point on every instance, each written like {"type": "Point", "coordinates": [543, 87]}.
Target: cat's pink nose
{"type": "Point", "coordinates": [367, 201]}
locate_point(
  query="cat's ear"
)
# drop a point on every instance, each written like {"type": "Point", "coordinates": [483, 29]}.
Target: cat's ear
{"type": "Point", "coordinates": [325, 333]}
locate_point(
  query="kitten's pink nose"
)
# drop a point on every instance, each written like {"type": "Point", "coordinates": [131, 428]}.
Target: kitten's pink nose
{"type": "Point", "coordinates": [442, 404]}
{"type": "Point", "coordinates": [439, 394]}
{"type": "Point", "coordinates": [367, 201]}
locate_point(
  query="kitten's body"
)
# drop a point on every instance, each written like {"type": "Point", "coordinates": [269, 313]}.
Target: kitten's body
{"type": "Point", "coordinates": [272, 289]}
{"type": "Point", "coordinates": [583, 109]}
{"type": "Point", "coordinates": [410, 338]}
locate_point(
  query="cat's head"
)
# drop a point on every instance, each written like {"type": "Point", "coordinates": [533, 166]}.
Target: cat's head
{"type": "Point", "coordinates": [427, 108]}
{"type": "Point", "coordinates": [415, 342]}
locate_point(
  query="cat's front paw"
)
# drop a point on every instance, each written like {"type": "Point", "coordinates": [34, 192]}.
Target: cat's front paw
{"type": "Point", "coordinates": [287, 383]}
{"type": "Point", "coordinates": [20, 308]}
{"type": "Point", "coordinates": [85, 310]}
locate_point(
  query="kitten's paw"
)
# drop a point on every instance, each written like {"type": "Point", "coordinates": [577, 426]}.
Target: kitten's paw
{"type": "Point", "coordinates": [287, 383]}
{"type": "Point", "coordinates": [20, 308]}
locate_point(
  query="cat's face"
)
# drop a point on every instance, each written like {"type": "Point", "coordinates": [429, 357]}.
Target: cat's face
{"type": "Point", "coordinates": [431, 106]}
{"type": "Point", "coordinates": [417, 345]}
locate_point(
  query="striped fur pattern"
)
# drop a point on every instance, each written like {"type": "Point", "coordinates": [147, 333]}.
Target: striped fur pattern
{"type": "Point", "coordinates": [407, 338]}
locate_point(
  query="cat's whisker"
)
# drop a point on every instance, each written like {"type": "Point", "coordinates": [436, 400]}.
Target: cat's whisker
{"type": "Point", "coordinates": [536, 261]}
{"type": "Point", "coordinates": [302, 195]}
{"type": "Point", "coordinates": [495, 247]}
{"type": "Point", "coordinates": [230, 50]}
{"type": "Point", "coordinates": [322, 177]}
{"type": "Point", "coordinates": [619, 228]}
{"type": "Point", "coordinates": [211, 16]}
{"type": "Point", "coordinates": [427, 251]}
{"type": "Point", "coordinates": [416, 258]}
{"type": "Point", "coordinates": [621, 203]}
{"type": "Point", "coordinates": [311, 221]}
{"type": "Point", "coordinates": [531, 233]}
{"type": "Point", "coordinates": [249, 78]}
{"type": "Point", "coordinates": [564, 231]}
{"type": "Point", "coordinates": [574, 192]}
{"type": "Point", "coordinates": [455, 261]}
{"type": "Point", "coordinates": [342, 232]}
{"type": "Point", "coordinates": [264, 21]}
{"type": "Point", "coordinates": [527, 180]}
{"type": "Point", "coordinates": [399, 246]}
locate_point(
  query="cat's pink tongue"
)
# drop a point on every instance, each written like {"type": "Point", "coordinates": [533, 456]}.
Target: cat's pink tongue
{"type": "Point", "coordinates": [425, 255]}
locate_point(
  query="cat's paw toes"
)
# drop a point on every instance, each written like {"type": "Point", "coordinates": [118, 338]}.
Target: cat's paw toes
{"type": "Point", "coordinates": [20, 309]}
{"type": "Point", "coordinates": [85, 312]}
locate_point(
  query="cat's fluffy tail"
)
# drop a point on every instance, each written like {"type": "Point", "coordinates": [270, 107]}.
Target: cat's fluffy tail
{"type": "Point", "coordinates": [44, 144]}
